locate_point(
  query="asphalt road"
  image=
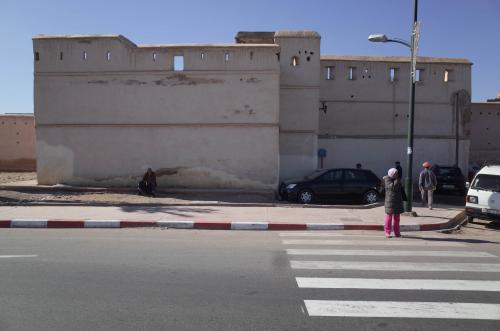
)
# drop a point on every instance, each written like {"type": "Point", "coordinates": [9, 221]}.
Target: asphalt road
{"type": "Point", "coordinates": [151, 279]}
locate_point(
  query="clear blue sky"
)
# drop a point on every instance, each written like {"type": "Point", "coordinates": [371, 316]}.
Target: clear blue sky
{"type": "Point", "coordinates": [450, 28]}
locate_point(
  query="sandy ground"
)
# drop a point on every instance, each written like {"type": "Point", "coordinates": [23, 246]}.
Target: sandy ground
{"type": "Point", "coordinates": [128, 196]}
{"type": "Point", "coordinates": [10, 177]}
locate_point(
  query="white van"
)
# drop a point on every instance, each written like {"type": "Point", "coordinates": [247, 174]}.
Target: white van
{"type": "Point", "coordinates": [483, 196]}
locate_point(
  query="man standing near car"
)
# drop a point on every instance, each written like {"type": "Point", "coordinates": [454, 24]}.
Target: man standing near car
{"type": "Point", "coordinates": [427, 183]}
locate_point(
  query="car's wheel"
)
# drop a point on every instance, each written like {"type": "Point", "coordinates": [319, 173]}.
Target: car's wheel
{"type": "Point", "coordinates": [470, 219]}
{"type": "Point", "coordinates": [305, 196]}
{"type": "Point", "coordinates": [370, 197]}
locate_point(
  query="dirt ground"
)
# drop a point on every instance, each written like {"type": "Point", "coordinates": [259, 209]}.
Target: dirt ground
{"type": "Point", "coordinates": [126, 196]}
{"type": "Point", "coordinates": [9, 177]}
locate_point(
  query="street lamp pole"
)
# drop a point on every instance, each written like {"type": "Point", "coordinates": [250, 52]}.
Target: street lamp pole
{"type": "Point", "coordinates": [411, 113]}
{"type": "Point", "coordinates": [413, 45]}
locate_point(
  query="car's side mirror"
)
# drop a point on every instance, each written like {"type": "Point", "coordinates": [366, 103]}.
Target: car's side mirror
{"type": "Point", "coordinates": [467, 185]}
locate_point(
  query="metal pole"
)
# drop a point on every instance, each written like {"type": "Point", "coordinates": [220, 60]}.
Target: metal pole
{"type": "Point", "coordinates": [409, 162]}
{"type": "Point", "coordinates": [457, 129]}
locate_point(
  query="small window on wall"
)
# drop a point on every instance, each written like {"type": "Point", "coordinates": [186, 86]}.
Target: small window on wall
{"type": "Point", "coordinates": [329, 75]}
{"type": "Point", "coordinates": [84, 55]}
{"type": "Point", "coordinates": [448, 75]}
{"type": "Point", "coordinates": [294, 61]}
{"type": "Point", "coordinates": [108, 56]}
{"type": "Point", "coordinates": [419, 75]}
{"type": "Point", "coordinates": [226, 57]}
{"type": "Point", "coordinates": [352, 73]}
{"type": "Point", "coordinates": [179, 62]}
{"type": "Point", "coordinates": [37, 56]}
{"type": "Point", "coordinates": [393, 74]}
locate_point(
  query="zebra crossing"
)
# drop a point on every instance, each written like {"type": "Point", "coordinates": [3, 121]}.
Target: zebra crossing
{"type": "Point", "coordinates": [427, 264]}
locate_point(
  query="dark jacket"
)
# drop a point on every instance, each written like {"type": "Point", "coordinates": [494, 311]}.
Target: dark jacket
{"type": "Point", "coordinates": [427, 180]}
{"type": "Point", "coordinates": [150, 179]}
{"type": "Point", "coordinates": [393, 195]}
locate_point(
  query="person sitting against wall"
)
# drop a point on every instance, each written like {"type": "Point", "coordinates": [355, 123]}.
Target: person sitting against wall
{"type": "Point", "coordinates": [147, 186]}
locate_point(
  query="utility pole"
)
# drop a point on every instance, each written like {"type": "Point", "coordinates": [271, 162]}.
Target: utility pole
{"type": "Point", "coordinates": [413, 64]}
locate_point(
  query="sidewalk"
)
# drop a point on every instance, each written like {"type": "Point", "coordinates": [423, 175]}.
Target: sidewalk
{"type": "Point", "coordinates": [223, 217]}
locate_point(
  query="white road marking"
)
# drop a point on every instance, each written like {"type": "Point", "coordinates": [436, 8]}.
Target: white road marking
{"type": "Point", "coordinates": [102, 223]}
{"type": "Point", "coordinates": [371, 252]}
{"type": "Point", "coordinates": [176, 224]}
{"type": "Point", "coordinates": [325, 234]}
{"type": "Point", "coordinates": [384, 242]}
{"type": "Point", "coordinates": [395, 266]}
{"type": "Point", "coordinates": [345, 235]}
{"type": "Point", "coordinates": [28, 223]}
{"type": "Point", "coordinates": [249, 225]}
{"type": "Point", "coordinates": [400, 284]}
{"type": "Point", "coordinates": [324, 226]}
{"type": "Point", "coordinates": [14, 256]}
{"type": "Point", "coordinates": [397, 309]}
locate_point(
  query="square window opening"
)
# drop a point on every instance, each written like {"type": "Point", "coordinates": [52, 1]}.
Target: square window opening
{"type": "Point", "coordinates": [352, 73]}
{"type": "Point", "coordinates": [178, 62]}
{"type": "Point", "coordinates": [393, 74]}
{"type": "Point", "coordinates": [448, 75]}
{"type": "Point", "coordinates": [329, 73]}
{"type": "Point", "coordinates": [419, 75]}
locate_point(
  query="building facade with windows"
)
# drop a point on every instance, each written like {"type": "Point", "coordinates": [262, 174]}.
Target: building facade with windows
{"type": "Point", "coordinates": [242, 115]}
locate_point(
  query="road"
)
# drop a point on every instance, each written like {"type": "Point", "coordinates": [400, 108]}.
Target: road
{"type": "Point", "coordinates": [152, 279]}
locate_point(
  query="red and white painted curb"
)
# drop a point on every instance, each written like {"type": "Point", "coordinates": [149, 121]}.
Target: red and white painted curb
{"type": "Point", "coordinates": [182, 224]}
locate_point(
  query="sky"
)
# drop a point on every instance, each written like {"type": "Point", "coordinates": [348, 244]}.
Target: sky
{"type": "Point", "coordinates": [450, 28]}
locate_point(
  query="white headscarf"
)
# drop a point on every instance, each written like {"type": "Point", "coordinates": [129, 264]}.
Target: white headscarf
{"type": "Point", "coordinates": [392, 172]}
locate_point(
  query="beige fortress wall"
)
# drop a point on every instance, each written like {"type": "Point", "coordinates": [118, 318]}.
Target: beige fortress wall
{"type": "Point", "coordinates": [103, 122]}
{"type": "Point", "coordinates": [485, 132]}
{"type": "Point", "coordinates": [299, 96]}
{"type": "Point", "coordinates": [366, 121]}
{"type": "Point", "coordinates": [17, 142]}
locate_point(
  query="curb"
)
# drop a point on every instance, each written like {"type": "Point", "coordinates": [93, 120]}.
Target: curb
{"type": "Point", "coordinates": [204, 225]}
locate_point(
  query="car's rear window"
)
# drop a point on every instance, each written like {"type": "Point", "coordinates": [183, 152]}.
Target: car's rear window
{"type": "Point", "coordinates": [487, 182]}
{"type": "Point", "coordinates": [449, 171]}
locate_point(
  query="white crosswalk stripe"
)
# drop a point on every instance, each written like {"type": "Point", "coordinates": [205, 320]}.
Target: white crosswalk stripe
{"type": "Point", "coordinates": [365, 252]}
{"type": "Point", "coordinates": [393, 309]}
{"type": "Point", "coordinates": [400, 284]}
{"type": "Point", "coordinates": [347, 242]}
{"type": "Point", "coordinates": [396, 266]}
{"type": "Point", "coordinates": [403, 309]}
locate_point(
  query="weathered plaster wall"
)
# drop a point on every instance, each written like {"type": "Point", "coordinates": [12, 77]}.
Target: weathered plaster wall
{"type": "Point", "coordinates": [368, 112]}
{"type": "Point", "coordinates": [213, 124]}
{"type": "Point", "coordinates": [299, 96]}
{"type": "Point", "coordinates": [485, 132]}
{"type": "Point", "coordinates": [17, 143]}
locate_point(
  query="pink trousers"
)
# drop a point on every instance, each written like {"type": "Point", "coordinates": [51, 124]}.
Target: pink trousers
{"type": "Point", "coordinates": [388, 224]}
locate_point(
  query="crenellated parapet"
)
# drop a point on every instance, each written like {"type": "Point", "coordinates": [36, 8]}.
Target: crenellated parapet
{"type": "Point", "coordinates": [90, 53]}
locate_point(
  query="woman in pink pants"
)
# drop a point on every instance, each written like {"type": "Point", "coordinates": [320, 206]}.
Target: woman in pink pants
{"type": "Point", "coordinates": [393, 202]}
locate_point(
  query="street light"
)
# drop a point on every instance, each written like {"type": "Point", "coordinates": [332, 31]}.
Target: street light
{"type": "Point", "coordinates": [413, 45]}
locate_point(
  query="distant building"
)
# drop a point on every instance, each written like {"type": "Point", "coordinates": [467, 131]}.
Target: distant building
{"type": "Point", "coordinates": [17, 142]}
{"type": "Point", "coordinates": [485, 132]}
{"type": "Point", "coordinates": [241, 115]}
